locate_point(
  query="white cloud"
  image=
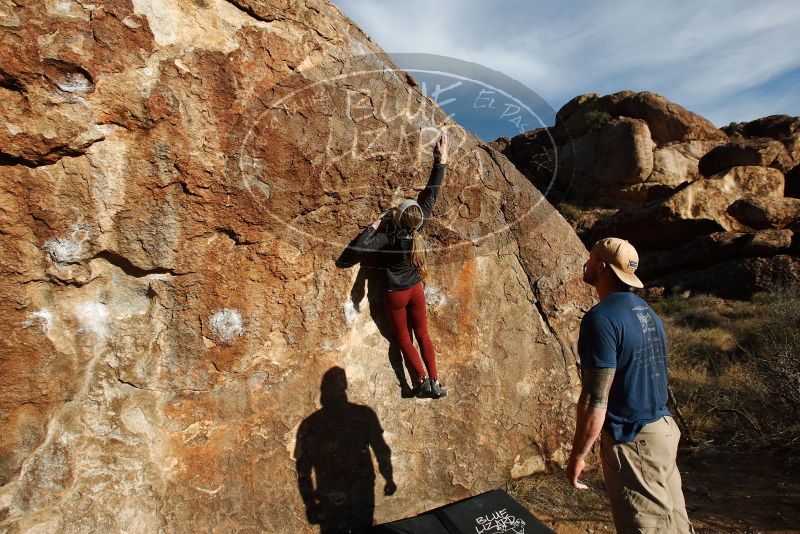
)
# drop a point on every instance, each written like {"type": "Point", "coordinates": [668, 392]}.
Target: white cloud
{"type": "Point", "coordinates": [701, 55]}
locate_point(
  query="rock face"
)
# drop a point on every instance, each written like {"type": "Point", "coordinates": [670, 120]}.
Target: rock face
{"type": "Point", "coordinates": [180, 347]}
{"type": "Point", "coordinates": [689, 196]}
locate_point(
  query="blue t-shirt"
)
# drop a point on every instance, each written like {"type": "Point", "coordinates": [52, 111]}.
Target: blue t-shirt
{"type": "Point", "coordinates": [624, 332]}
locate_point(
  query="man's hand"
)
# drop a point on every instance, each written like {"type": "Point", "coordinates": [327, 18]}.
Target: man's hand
{"type": "Point", "coordinates": [574, 469]}
{"type": "Point", "coordinates": [389, 488]}
{"type": "Point", "coordinates": [441, 148]}
{"type": "Point", "coordinates": [590, 413]}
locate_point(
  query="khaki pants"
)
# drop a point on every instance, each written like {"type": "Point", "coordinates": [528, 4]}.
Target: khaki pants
{"type": "Point", "coordinates": [643, 481]}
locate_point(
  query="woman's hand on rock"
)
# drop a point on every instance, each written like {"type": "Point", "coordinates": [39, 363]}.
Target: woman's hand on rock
{"type": "Point", "coordinates": [441, 148]}
{"type": "Point", "coordinates": [378, 221]}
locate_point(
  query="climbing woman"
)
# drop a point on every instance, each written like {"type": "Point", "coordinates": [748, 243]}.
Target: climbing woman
{"type": "Point", "coordinates": [397, 237]}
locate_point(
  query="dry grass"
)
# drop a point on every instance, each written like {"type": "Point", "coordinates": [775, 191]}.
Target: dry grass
{"type": "Point", "coordinates": [735, 368]}
{"type": "Point", "coordinates": [552, 499]}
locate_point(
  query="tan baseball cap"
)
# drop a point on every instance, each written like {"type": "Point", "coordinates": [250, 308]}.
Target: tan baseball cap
{"type": "Point", "coordinates": [622, 258]}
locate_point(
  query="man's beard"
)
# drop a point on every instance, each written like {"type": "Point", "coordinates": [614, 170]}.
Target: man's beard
{"type": "Point", "coordinates": [588, 276]}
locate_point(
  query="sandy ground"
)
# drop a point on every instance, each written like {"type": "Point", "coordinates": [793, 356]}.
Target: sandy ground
{"type": "Point", "coordinates": [745, 492]}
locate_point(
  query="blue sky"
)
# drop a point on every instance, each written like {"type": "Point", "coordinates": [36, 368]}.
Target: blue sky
{"type": "Point", "coordinates": [732, 60]}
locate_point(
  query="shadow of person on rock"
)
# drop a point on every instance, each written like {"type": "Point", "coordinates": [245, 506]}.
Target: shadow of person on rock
{"type": "Point", "coordinates": [370, 283]}
{"type": "Point", "coordinates": [333, 444]}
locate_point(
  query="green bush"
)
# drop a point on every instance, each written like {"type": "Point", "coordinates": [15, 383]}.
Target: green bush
{"type": "Point", "coordinates": [597, 119]}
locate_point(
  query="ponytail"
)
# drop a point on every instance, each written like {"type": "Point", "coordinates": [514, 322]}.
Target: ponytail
{"type": "Point", "coordinates": [419, 252]}
{"type": "Point", "coordinates": [410, 219]}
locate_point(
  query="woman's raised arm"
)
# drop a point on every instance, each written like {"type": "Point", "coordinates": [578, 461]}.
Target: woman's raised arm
{"type": "Point", "coordinates": [427, 198]}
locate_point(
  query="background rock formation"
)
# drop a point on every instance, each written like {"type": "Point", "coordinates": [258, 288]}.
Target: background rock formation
{"type": "Point", "coordinates": [715, 210]}
{"type": "Point", "coordinates": [179, 177]}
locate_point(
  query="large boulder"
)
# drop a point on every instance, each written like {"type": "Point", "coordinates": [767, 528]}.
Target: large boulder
{"type": "Point", "coordinates": [698, 208]}
{"type": "Point", "coordinates": [668, 122]}
{"type": "Point", "coordinates": [615, 150]}
{"type": "Point", "coordinates": [766, 212]}
{"type": "Point", "coordinates": [792, 188]}
{"type": "Point", "coordinates": [746, 152]}
{"type": "Point", "coordinates": [783, 128]}
{"type": "Point", "coordinates": [773, 126]}
{"type": "Point", "coordinates": [624, 152]}
{"type": "Point", "coordinates": [678, 163]}
{"type": "Point", "coordinates": [707, 250]}
{"type": "Point", "coordinates": [180, 348]}
{"type": "Point", "coordinates": [599, 164]}
{"type": "Point", "coordinates": [738, 277]}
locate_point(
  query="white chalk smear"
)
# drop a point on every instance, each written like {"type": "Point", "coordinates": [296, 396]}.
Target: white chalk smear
{"type": "Point", "coordinates": [43, 316]}
{"type": "Point", "coordinates": [350, 312]}
{"type": "Point", "coordinates": [227, 324]}
{"type": "Point", "coordinates": [93, 317]}
{"type": "Point", "coordinates": [434, 296]}
{"type": "Point", "coordinates": [63, 250]}
{"type": "Point", "coordinates": [210, 491]}
{"type": "Point", "coordinates": [68, 249]}
{"type": "Point", "coordinates": [74, 82]}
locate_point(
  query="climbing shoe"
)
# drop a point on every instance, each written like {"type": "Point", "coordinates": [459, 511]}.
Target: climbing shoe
{"type": "Point", "coordinates": [423, 389]}
{"type": "Point", "coordinates": [437, 390]}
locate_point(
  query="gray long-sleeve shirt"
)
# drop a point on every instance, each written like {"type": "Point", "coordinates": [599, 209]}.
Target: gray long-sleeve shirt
{"type": "Point", "coordinates": [394, 244]}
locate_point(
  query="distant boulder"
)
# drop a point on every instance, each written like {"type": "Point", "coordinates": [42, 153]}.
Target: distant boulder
{"type": "Point", "coordinates": [668, 122]}
{"type": "Point", "coordinates": [738, 278]}
{"type": "Point", "coordinates": [711, 249]}
{"type": "Point", "coordinates": [774, 126]}
{"type": "Point", "coordinates": [763, 213]}
{"type": "Point", "coordinates": [699, 208]}
{"type": "Point", "coordinates": [792, 188]}
{"type": "Point", "coordinates": [614, 150]}
{"type": "Point", "coordinates": [678, 163]}
{"type": "Point", "coordinates": [740, 152]}
{"type": "Point", "coordinates": [601, 163]}
{"type": "Point", "coordinates": [688, 195]}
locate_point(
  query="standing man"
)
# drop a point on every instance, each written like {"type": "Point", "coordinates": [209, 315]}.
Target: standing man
{"type": "Point", "coordinates": [623, 400]}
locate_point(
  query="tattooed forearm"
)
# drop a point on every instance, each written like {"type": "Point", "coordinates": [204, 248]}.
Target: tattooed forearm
{"type": "Point", "coordinates": [596, 385]}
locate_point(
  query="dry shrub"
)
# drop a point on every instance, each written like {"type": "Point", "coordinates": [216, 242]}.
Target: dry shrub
{"type": "Point", "coordinates": [774, 352]}
{"type": "Point", "coordinates": [735, 368]}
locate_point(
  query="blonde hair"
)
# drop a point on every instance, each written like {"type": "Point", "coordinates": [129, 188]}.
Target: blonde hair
{"type": "Point", "coordinates": [410, 219]}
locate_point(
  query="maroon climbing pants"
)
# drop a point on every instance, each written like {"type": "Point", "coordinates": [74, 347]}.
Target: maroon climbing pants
{"type": "Point", "coordinates": [400, 306]}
